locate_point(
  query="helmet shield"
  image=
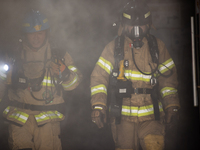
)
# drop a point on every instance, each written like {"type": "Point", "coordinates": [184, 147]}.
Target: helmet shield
{"type": "Point", "coordinates": [35, 22]}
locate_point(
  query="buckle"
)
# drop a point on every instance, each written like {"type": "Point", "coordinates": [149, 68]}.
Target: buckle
{"type": "Point", "coordinates": [135, 90]}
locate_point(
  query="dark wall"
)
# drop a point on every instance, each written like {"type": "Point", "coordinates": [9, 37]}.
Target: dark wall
{"type": "Point", "coordinates": [83, 28]}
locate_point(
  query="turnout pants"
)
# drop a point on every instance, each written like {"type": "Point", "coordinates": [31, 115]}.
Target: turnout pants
{"type": "Point", "coordinates": [128, 135]}
{"type": "Point", "coordinates": [45, 137]}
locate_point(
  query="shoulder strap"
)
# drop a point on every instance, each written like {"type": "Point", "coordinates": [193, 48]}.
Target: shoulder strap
{"type": "Point", "coordinates": [119, 50]}
{"type": "Point", "coordinates": [153, 48]}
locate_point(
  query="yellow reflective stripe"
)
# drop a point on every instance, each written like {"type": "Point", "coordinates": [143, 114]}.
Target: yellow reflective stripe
{"type": "Point", "coordinates": [147, 14]}
{"type": "Point", "coordinates": [168, 91]}
{"type": "Point", "coordinates": [127, 16]}
{"type": "Point", "coordinates": [135, 75]}
{"type": "Point", "coordinates": [145, 110]}
{"type": "Point", "coordinates": [129, 110]}
{"type": "Point", "coordinates": [72, 68]}
{"type": "Point", "coordinates": [98, 89]}
{"type": "Point", "coordinates": [20, 116]}
{"type": "Point", "coordinates": [71, 83]}
{"type": "Point", "coordinates": [48, 115]}
{"type": "Point", "coordinates": [3, 76]}
{"type": "Point", "coordinates": [6, 110]}
{"type": "Point", "coordinates": [139, 111]}
{"type": "Point", "coordinates": [47, 81]}
{"type": "Point", "coordinates": [104, 64]}
{"type": "Point", "coordinates": [164, 67]}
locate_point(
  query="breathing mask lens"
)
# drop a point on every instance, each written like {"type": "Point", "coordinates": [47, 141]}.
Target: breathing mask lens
{"type": "Point", "coordinates": [137, 36]}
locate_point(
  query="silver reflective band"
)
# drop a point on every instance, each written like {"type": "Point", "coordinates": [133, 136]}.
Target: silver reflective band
{"type": "Point", "coordinates": [175, 110]}
{"type": "Point", "coordinates": [122, 90]}
{"type": "Point", "coordinates": [93, 121]}
{"type": "Point", "coordinates": [136, 31]}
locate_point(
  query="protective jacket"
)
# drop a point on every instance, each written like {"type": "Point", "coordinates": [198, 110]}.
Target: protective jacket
{"type": "Point", "coordinates": [34, 65]}
{"type": "Point", "coordinates": [140, 106]}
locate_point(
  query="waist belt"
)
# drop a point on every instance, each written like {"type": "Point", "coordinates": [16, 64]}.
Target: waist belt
{"type": "Point", "coordinates": [36, 107]}
{"type": "Point", "coordinates": [141, 91]}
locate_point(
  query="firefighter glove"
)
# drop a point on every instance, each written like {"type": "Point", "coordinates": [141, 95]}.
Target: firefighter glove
{"type": "Point", "coordinates": [171, 116]}
{"type": "Point", "coordinates": [98, 116]}
{"type": "Point", "coordinates": [60, 69]}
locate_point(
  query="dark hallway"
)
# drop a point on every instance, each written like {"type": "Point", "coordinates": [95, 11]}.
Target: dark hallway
{"type": "Point", "coordinates": [84, 28]}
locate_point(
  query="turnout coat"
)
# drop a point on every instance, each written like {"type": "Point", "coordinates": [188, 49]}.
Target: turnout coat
{"type": "Point", "coordinates": [139, 107]}
{"type": "Point", "coordinates": [33, 66]}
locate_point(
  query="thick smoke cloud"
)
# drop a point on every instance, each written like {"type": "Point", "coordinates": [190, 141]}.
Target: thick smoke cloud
{"type": "Point", "coordinates": [74, 23]}
{"type": "Point", "coordinates": [83, 28]}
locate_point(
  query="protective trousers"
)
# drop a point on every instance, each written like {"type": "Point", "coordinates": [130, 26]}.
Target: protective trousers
{"type": "Point", "coordinates": [45, 137]}
{"type": "Point", "coordinates": [128, 135]}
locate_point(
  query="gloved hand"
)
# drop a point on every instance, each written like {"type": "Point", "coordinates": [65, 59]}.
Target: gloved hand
{"type": "Point", "coordinates": [171, 116]}
{"type": "Point", "coordinates": [98, 116]}
{"type": "Point", "coordinates": [60, 69]}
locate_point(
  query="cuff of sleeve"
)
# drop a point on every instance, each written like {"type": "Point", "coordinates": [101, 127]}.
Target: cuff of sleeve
{"type": "Point", "coordinates": [171, 105]}
{"type": "Point", "coordinates": [65, 74]}
{"type": "Point", "coordinates": [102, 105]}
{"type": "Point", "coordinates": [98, 107]}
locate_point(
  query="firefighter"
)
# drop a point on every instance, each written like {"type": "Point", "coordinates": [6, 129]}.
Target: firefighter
{"type": "Point", "coordinates": [37, 77]}
{"type": "Point", "coordinates": [138, 69]}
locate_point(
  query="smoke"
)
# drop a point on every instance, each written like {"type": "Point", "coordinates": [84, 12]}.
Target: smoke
{"type": "Point", "coordinates": [74, 23]}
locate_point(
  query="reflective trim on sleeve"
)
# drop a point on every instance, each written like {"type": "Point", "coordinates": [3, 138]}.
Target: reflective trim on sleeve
{"type": "Point", "coordinates": [136, 75]}
{"type": "Point", "coordinates": [164, 67]}
{"type": "Point", "coordinates": [167, 91]}
{"type": "Point", "coordinates": [98, 89]}
{"type": "Point", "coordinates": [139, 111]}
{"type": "Point", "coordinates": [19, 116]}
{"type": "Point", "coordinates": [98, 107]}
{"type": "Point", "coordinates": [65, 86]}
{"type": "Point", "coordinates": [106, 65]}
{"type": "Point", "coordinates": [6, 111]}
{"type": "Point", "coordinates": [72, 68]}
{"type": "Point", "coordinates": [49, 115]}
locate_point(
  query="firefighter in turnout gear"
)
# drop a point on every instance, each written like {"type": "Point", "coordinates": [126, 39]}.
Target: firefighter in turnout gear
{"type": "Point", "coordinates": [37, 77]}
{"type": "Point", "coordinates": [135, 79]}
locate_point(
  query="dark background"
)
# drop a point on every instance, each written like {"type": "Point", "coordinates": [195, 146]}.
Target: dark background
{"type": "Point", "coordinates": [83, 28]}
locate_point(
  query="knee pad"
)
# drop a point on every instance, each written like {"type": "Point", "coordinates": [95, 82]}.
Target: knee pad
{"type": "Point", "coordinates": [154, 142]}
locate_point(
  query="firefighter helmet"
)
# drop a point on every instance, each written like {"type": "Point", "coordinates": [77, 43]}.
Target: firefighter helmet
{"type": "Point", "coordinates": [35, 22]}
{"type": "Point", "coordinates": [136, 13]}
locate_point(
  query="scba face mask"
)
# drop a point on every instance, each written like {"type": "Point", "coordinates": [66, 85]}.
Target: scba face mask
{"type": "Point", "coordinates": [136, 35]}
